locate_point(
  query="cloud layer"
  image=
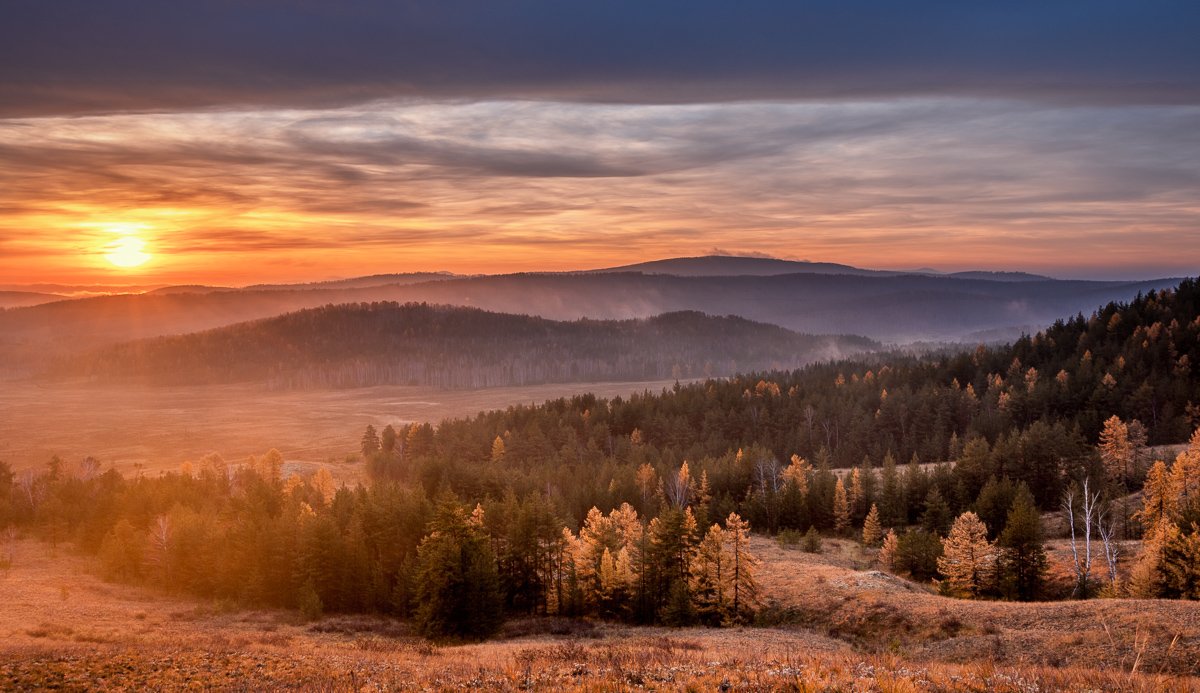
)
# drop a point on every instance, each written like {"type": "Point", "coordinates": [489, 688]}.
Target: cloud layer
{"type": "Point", "coordinates": [257, 195]}
{"type": "Point", "coordinates": [73, 56]}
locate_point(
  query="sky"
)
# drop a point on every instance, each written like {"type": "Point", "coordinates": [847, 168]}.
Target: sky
{"type": "Point", "coordinates": [235, 142]}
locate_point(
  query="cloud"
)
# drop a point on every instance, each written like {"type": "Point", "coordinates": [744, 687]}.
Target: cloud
{"type": "Point", "coordinates": [480, 186]}
{"type": "Point", "coordinates": [77, 56]}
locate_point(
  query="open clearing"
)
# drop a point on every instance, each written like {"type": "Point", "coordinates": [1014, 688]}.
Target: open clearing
{"type": "Point", "coordinates": [842, 626]}
{"type": "Point", "coordinates": [158, 427]}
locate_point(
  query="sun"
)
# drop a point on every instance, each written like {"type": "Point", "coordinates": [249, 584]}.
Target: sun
{"type": "Point", "coordinates": [127, 251]}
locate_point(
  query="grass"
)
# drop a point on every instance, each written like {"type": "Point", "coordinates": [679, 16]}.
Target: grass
{"type": "Point", "coordinates": [176, 424]}
{"type": "Point", "coordinates": [838, 626]}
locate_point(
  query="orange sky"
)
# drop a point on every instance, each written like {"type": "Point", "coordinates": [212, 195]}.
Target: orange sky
{"type": "Point", "coordinates": [238, 197]}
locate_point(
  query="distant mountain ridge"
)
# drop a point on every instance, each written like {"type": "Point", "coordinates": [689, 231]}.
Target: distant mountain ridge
{"type": "Point", "coordinates": [740, 265]}
{"type": "Point", "coordinates": [896, 308]}
{"type": "Point", "coordinates": [363, 344]}
{"type": "Point", "coordinates": [21, 299]}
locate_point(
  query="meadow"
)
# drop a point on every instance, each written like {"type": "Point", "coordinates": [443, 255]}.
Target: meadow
{"type": "Point", "coordinates": [831, 622]}
{"type": "Point", "coordinates": [154, 429]}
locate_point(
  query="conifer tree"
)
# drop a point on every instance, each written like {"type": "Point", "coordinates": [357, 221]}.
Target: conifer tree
{"type": "Point", "coordinates": [1116, 453]}
{"type": "Point", "coordinates": [1022, 557]}
{"type": "Point", "coordinates": [387, 440]}
{"type": "Point", "coordinates": [887, 552]}
{"type": "Point", "coordinates": [855, 495]}
{"type": "Point", "coordinates": [1181, 565]}
{"type": "Point", "coordinates": [711, 577]}
{"type": "Point", "coordinates": [370, 443]}
{"type": "Point", "coordinates": [891, 502]}
{"type": "Point", "coordinates": [936, 516]}
{"type": "Point", "coordinates": [1158, 498]}
{"type": "Point", "coordinates": [743, 567]}
{"type": "Point", "coordinates": [967, 560]}
{"type": "Point", "coordinates": [458, 588]}
{"type": "Point", "coordinates": [872, 530]}
{"type": "Point", "coordinates": [841, 508]}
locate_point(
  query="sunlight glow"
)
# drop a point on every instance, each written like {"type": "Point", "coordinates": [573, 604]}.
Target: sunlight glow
{"type": "Point", "coordinates": [128, 251]}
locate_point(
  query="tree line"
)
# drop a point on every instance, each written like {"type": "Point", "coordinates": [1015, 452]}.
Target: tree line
{"type": "Point", "coordinates": [244, 533]}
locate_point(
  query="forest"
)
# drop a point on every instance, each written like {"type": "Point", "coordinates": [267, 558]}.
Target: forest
{"type": "Point", "coordinates": [638, 509]}
{"type": "Point", "coordinates": [357, 345]}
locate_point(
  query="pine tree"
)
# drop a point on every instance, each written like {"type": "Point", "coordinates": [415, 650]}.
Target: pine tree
{"type": "Point", "coordinates": [797, 474]}
{"type": "Point", "coordinates": [937, 516]}
{"type": "Point", "coordinates": [887, 552]}
{"type": "Point", "coordinates": [497, 450]}
{"type": "Point", "coordinates": [1116, 453]}
{"type": "Point", "coordinates": [967, 556]}
{"type": "Point", "coordinates": [1158, 498]}
{"type": "Point", "coordinates": [387, 440]}
{"type": "Point", "coordinates": [891, 501]}
{"type": "Point", "coordinates": [1022, 557]}
{"type": "Point", "coordinates": [1181, 565]}
{"type": "Point", "coordinates": [458, 587]}
{"type": "Point", "coordinates": [370, 443]}
{"type": "Point", "coordinates": [855, 494]}
{"type": "Point", "coordinates": [711, 577]}
{"type": "Point", "coordinates": [743, 567]}
{"type": "Point", "coordinates": [841, 508]}
{"type": "Point", "coordinates": [872, 530]}
{"type": "Point", "coordinates": [1185, 480]}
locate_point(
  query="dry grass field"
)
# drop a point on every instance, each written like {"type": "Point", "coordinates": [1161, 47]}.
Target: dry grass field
{"type": "Point", "coordinates": [158, 428]}
{"type": "Point", "coordinates": [846, 628]}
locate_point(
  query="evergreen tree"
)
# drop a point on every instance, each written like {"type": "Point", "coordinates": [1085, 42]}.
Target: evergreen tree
{"type": "Point", "coordinates": [872, 531]}
{"type": "Point", "coordinates": [917, 554]}
{"type": "Point", "coordinates": [743, 568]}
{"type": "Point", "coordinates": [968, 558]}
{"type": "Point", "coordinates": [1180, 565]}
{"type": "Point", "coordinates": [370, 445]}
{"type": "Point", "coordinates": [458, 588]}
{"type": "Point", "coordinates": [841, 508]}
{"type": "Point", "coordinates": [1022, 557]}
{"type": "Point", "coordinates": [387, 440]}
{"type": "Point", "coordinates": [711, 577]}
{"type": "Point", "coordinates": [887, 552]}
{"type": "Point", "coordinates": [891, 502]}
{"type": "Point", "coordinates": [1158, 498]}
{"type": "Point", "coordinates": [936, 517]}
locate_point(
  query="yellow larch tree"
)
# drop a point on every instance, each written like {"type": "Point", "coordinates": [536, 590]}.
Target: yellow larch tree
{"type": "Point", "coordinates": [968, 558]}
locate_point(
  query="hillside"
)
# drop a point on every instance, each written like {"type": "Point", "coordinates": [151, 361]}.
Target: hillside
{"type": "Point", "coordinates": [388, 343]}
{"type": "Point", "coordinates": [1031, 412]}
{"type": "Point", "coordinates": [19, 299]}
{"type": "Point", "coordinates": [888, 308]}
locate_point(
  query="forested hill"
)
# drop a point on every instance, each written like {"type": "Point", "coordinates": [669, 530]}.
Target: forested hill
{"type": "Point", "coordinates": [888, 308]}
{"type": "Point", "coordinates": [1030, 412]}
{"type": "Point", "coordinates": [365, 344]}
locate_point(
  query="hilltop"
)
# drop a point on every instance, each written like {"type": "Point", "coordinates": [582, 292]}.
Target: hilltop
{"type": "Point", "coordinates": [357, 345]}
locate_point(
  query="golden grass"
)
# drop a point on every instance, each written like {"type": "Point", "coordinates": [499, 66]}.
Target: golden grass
{"type": "Point", "coordinates": [61, 627]}
{"type": "Point", "coordinates": [839, 595]}
{"type": "Point", "coordinates": [155, 429]}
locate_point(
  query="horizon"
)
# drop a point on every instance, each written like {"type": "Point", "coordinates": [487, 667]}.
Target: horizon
{"type": "Point", "coordinates": [86, 289]}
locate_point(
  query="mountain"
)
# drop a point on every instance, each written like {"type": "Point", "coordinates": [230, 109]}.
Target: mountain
{"type": "Point", "coordinates": [359, 282]}
{"type": "Point", "coordinates": [1000, 276]}
{"type": "Point", "coordinates": [898, 308]}
{"type": "Point", "coordinates": [388, 343]}
{"type": "Point", "coordinates": [20, 299]}
{"type": "Point", "coordinates": [737, 265]}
